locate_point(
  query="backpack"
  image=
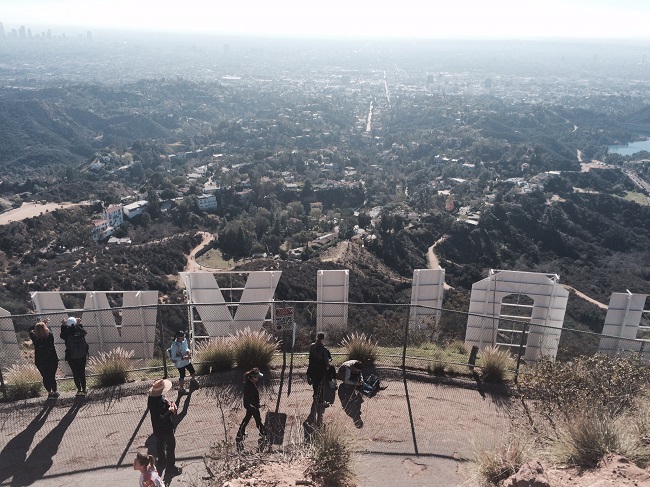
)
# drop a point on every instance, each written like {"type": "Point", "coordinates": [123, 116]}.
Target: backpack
{"type": "Point", "coordinates": [371, 386]}
{"type": "Point", "coordinates": [76, 346]}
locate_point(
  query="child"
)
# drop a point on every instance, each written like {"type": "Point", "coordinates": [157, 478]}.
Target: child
{"type": "Point", "coordinates": [252, 406]}
{"type": "Point", "coordinates": [181, 354]}
{"type": "Point", "coordinates": [144, 463]}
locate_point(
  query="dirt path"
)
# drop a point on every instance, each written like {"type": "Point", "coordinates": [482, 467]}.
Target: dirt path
{"type": "Point", "coordinates": [30, 209]}
{"type": "Point", "coordinates": [434, 263]}
{"type": "Point", "coordinates": [192, 265]}
{"type": "Point", "coordinates": [585, 297]}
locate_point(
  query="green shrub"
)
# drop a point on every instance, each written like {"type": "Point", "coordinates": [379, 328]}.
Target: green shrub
{"type": "Point", "coordinates": [254, 349]}
{"type": "Point", "coordinates": [359, 347]}
{"type": "Point", "coordinates": [23, 381]}
{"type": "Point", "coordinates": [495, 364]}
{"type": "Point", "coordinates": [112, 367]}
{"type": "Point", "coordinates": [214, 356]}
{"type": "Point", "coordinates": [498, 462]}
{"type": "Point", "coordinates": [330, 456]}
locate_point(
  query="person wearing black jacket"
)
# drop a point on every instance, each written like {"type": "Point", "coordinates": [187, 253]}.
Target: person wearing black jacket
{"type": "Point", "coordinates": [162, 413]}
{"type": "Point", "coordinates": [319, 363]}
{"type": "Point", "coordinates": [45, 357]}
{"type": "Point", "coordinates": [73, 329]}
{"type": "Point", "coordinates": [252, 406]}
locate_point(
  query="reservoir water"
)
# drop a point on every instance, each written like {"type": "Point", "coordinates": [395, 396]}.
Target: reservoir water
{"type": "Point", "coordinates": [631, 148]}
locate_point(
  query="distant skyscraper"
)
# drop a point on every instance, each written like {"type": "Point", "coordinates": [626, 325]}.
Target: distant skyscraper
{"type": "Point", "coordinates": [22, 33]}
{"type": "Point", "coordinates": [2, 31]}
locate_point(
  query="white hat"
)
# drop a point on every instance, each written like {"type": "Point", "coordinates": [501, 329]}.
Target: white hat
{"type": "Point", "coordinates": [71, 321]}
{"type": "Point", "coordinates": [159, 386]}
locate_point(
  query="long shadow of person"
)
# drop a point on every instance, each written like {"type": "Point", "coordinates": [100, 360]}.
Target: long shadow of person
{"type": "Point", "coordinates": [181, 415]}
{"type": "Point", "coordinates": [13, 455]}
{"type": "Point", "coordinates": [40, 459]}
{"type": "Point", "coordinates": [351, 400]}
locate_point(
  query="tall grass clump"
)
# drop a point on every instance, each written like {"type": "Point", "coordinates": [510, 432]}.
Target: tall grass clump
{"type": "Point", "coordinates": [588, 436]}
{"type": "Point", "coordinates": [23, 381]}
{"type": "Point", "coordinates": [500, 461]}
{"type": "Point", "coordinates": [330, 456]}
{"type": "Point", "coordinates": [112, 367]}
{"type": "Point", "coordinates": [254, 348]}
{"type": "Point", "coordinates": [495, 364]}
{"type": "Point", "coordinates": [360, 347]}
{"type": "Point", "coordinates": [214, 356]}
{"type": "Point", "coordinates": [437, 365]}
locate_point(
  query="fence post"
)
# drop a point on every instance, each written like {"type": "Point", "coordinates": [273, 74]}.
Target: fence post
{"type": "Point", "coordinates": [2, 385]}
{"type": "Point", "coordinates": [406, 390]}
{"type": "Point", "coordinates": [520, 351]}
{"type": "Point", "coordinates": [162, 344]}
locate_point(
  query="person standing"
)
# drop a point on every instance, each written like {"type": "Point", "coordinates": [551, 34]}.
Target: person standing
{"type": "Point", "coordinates": [319, 363]}
{"type": "Point", "coordinates": [181, 354]}
{"type": "Point", "coordinates": [252, 406]}
{"type": "Point", "coordinates": [145, 464]}
{"type": "Point", "coordinates": [162, 412]}
{"type": "Point", "coordinates": [76, 351]}
{"type": "Point", "coordinates": [45, 357]}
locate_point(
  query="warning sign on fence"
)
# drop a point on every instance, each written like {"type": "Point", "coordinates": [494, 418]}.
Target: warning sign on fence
{"type": "Point", "coordinates": [283, 318]}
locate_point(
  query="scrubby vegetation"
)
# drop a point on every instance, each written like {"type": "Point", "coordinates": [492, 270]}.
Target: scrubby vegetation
{"type": "Point", "coordinates": [574, 413]}
{"type": "Point", "coordinates": [214, 356]}
{"type": "Point", "coordinates": [254, 349]}
{"type": "Point", "coordinates": [111, 368]}
{"type": "Point", "coordinates": [23, 381]}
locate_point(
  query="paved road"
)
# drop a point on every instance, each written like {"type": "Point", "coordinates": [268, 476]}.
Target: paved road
{"type": "Point", "coordinates": [77, 442]}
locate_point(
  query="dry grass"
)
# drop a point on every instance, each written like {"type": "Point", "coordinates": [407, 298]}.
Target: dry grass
{"type": "Point", "coordinates": [330, 456]}
{"type": "Point", "coordinates": [499, 461]}
{"type": "Point", "coordinates": [495, 364]}
{"type": "Point", "coordinates": [23, 381]}
{"type": "Point", "coordinates": [112, 367]}
{"type": "Point", "coordinates": [254, 349]}
{"type": "Point", "coordinates": [214, 356]}
{"type": "Point", "coordinates": [360, 347]}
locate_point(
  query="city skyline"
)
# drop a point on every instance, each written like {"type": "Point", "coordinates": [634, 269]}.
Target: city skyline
{"type": "Point", "coordinates": [462, 19]}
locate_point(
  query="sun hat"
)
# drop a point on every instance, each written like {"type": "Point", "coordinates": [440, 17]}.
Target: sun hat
{"type": "Point", "coordinates": [159, 386]}
{"type": "Point", "coordinates": [180, 334]}
{"type": "Point", "coordinates": [71, 321]}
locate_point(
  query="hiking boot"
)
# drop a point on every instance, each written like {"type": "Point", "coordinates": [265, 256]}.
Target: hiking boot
{"type": "Point", "coordinates": [358, 423]}
{"type": "Point", "coordinates": [174, 470]}
{"type": "Point", "coordinates": [80, 393]}
{"type": "Point", "coordinates": [181, 390]}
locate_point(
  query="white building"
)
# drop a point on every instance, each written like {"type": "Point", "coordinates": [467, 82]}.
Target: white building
{"type": "Point", "coordinates": [206, 202]}
{"type": "Point", "coordinates": [135, 209]}
{"type": "Point", "coordinates": [101, 229]}
{"type": "Point", "coordinates": [115, 215]}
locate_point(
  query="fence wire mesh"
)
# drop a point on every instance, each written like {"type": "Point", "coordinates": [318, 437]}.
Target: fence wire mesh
{"type": "Point", "coordinates": [432, 405]}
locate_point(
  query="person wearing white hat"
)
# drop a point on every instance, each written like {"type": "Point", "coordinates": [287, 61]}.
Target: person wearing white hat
{"type": "Point", "coordinates": [76, 351]}
{"type": "Point", "coordinates": [162, 412]}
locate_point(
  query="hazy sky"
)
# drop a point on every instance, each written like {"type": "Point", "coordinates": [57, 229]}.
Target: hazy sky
{"type": "Point", "coordinates": [352, 18]}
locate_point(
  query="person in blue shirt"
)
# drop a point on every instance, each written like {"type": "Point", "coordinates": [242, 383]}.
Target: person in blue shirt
{"type": "Point", "coordinates": [181, 354]}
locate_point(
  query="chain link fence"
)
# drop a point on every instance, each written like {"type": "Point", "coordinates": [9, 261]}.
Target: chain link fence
{"type": "Point", "coordinates": [434, 404]}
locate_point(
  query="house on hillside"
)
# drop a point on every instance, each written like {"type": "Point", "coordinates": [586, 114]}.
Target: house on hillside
{"type": "Point", "coordinates": [101, 229]}
{"type": "Point", "coordinates": [206, 202]}
{"type": "Point", "coordinates": [135, 209]}
{"type": "Point", "coordinates": [115, 215]}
